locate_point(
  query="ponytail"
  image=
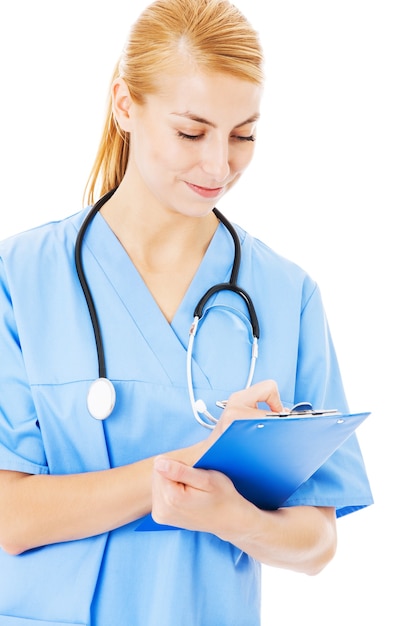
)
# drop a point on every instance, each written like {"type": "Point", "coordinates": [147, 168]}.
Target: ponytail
{"type": "Point", "coordinates": [111, 160]}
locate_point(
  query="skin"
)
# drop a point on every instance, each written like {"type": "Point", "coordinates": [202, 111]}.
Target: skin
{"type": "Point", "coordinates": [189, 144]}
{"type": "Point", "coordinates": [158, 212]}
{"type": "Point", "coordinates": [298, 538]}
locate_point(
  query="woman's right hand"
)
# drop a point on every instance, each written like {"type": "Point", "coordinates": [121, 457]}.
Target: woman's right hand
{"type": "Point", "coordinates": [244, 405]}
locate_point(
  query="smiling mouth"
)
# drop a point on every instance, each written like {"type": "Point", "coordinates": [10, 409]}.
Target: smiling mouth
{"type": "Point", "coordinates": [206, 192]}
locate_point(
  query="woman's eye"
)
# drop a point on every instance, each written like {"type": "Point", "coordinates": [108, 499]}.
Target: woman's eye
{"type": "Point", "coordinates": [243, 138]}
{"type": "Point", "coordinates": [187, 136]}
{"type": "Point", "coordinates": [191, 137]}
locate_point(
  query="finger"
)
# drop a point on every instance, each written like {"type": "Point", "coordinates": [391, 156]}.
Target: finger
{"type": "Point", "coordinates": [180, 473]}
{"type": "Point", "coordinates": [264, 391]}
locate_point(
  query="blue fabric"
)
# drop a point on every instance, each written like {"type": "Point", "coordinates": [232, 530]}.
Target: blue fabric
{"type": "Point", "coordinates": [48, 361]}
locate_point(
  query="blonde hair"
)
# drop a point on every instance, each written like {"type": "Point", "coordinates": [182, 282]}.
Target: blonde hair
{"type": "Point", "coordinates": [213, 35]}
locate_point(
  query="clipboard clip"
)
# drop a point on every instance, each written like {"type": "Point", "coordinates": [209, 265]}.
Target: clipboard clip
{"type": "Point", "coordinates": [301, 409]}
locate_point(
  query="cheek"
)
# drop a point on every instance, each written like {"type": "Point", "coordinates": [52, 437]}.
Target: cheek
{"type": "Point", "coordinates": [155, 150]}
{"type": "Point", "coordinates": [240, 159]}
{"type": "Point", "coordinates": [172, 156]}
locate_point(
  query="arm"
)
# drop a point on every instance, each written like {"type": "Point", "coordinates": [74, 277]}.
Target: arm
{"type": "Point", "coordinates": [36, 510]}
{"type": "Point", "coordinates": [300, 538]}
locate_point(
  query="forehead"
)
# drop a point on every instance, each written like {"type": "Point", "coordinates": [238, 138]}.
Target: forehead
{"type": "Point", "coordinates": [207, 95]}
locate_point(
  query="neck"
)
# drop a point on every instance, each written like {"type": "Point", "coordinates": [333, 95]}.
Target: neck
{"type": "Point", "coordinates": [157, 234]}
{"type": "Point", "coordinates": [165, 247]}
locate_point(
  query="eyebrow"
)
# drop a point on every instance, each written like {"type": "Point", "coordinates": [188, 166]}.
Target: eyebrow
{"type": "Point", "coordinates": [196, 118]}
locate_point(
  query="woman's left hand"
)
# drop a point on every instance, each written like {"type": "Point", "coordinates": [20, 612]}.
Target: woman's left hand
{"type": "Point", "coordinates": [191, 498]}
{"type": "Point", "coordinates": [206, 500]}
{"type": "Point", "coordinates": [299, 538]}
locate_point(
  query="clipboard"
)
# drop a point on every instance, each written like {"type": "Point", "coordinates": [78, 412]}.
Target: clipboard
{"type": "Point", "coordinates": [268, 459]}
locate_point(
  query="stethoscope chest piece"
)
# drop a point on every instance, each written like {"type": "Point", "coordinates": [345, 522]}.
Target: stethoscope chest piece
{"type": "Point", "coordinates": [101, 398]}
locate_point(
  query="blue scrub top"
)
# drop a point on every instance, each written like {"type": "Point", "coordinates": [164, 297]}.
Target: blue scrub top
{"type": "Point", "coordinates": [48, 360]}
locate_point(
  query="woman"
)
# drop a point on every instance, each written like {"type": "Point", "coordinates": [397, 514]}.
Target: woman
{"type": "Point", "coordinates": [180, 131]}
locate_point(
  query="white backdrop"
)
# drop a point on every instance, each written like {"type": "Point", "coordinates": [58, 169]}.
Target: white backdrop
{"type": "Point", "coordinates": [332, 186]}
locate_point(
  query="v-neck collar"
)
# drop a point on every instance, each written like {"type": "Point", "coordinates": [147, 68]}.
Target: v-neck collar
{"type": "Point", "coordinates": [168, 340]}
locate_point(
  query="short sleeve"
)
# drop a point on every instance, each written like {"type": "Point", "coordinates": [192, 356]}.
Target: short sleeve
{"type": "Point", "coordinates": [342, 481]}
{"type": "Point", "coordinates": [21, 447]}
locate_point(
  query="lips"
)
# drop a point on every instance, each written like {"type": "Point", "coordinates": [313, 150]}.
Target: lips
{"type": "Point", "coordinates": [206, 192]}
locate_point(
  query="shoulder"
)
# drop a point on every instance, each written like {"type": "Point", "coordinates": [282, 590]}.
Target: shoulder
{"type": "Point", "coordinates": [39, 261]}
{"type": "Point", "coordinates": [273, 270]}
{"type": "Point", "coordinates": [42, 242]}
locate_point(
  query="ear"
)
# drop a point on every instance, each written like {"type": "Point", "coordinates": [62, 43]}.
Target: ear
{"type": "Point", "coordinates": [122, 104]}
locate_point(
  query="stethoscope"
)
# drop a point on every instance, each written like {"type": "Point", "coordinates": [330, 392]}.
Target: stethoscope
{"type": "Point", "coordinates": [101, 396]}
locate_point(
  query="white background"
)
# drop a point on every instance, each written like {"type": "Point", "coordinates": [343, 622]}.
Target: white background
{"type": "Point", "coordinates": [332, 186]}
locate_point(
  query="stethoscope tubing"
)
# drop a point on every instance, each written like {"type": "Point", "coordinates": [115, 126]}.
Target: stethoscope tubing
{"type": "Point", "coordinates": [101, 408]}
{"type": "Point", "coordinates": [102, 372]}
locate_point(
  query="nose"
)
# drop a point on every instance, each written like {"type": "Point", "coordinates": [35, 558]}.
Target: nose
{"type": "Point", "coordinates": [216, 159]}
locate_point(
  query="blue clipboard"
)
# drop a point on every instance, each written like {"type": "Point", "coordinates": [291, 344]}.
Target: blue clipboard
{"type": "Point", "coordinates": [268, 459]}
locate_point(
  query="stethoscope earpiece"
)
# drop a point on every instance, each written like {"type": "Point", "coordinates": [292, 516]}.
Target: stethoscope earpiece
{"type": "Point", "coordinates": [101, 398]}
{"type": "Point", "coordinates": [200, 406]}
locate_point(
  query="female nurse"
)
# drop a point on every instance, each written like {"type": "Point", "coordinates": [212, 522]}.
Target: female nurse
{"type": "Point", "coordinates": [180, 132]}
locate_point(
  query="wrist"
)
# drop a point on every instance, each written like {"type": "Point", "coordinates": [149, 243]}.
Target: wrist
{"type": "Point", "coordinates": [189, 455]}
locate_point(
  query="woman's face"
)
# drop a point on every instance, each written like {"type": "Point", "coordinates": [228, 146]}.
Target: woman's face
{"type": "Point", "coordinates": [190, 142]}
